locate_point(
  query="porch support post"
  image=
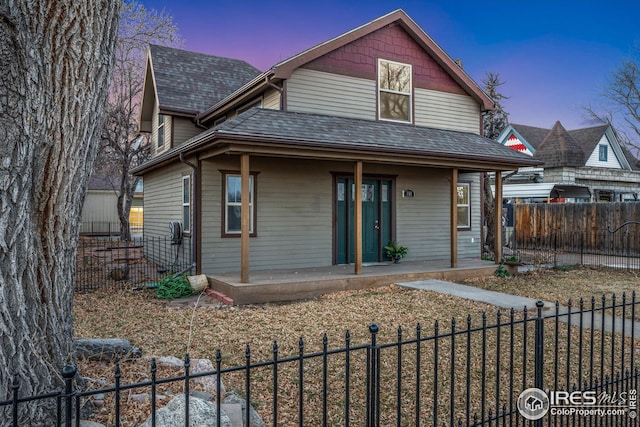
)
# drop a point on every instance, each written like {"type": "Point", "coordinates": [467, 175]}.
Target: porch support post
{"type": "Point", "coordinates": [497, 208]}
{"type": "Point", "coordinates": [454, 218]}
{"type": "Point", "coordinates": [245, 227]}
{"type": "Point", "coordinates": [357, 214]}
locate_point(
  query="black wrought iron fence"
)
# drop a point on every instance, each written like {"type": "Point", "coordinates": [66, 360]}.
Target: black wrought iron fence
{"type": "Point", "coordinates": [571, 365]}
{"type": "Point", "coordinates": [618, 248]}
{"type": "Point", "coordinates": [108, 261]}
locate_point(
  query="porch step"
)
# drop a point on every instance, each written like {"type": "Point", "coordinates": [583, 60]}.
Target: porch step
{"type": "Point", "coordinates": [219, 296]}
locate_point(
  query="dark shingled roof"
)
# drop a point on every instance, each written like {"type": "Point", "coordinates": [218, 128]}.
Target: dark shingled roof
{"type": "Point", "coordinates": [588, 139]}
{"type": "Point", "coordinates": [103, 181]}
{"type": "Point", "coordinates": [559, 149]}
{"type": "Point", "coordinates": [633, 160]}
{"type": "Point", "coordinates": [341, 133]}
{"type": "Point", "coordinates": [533, 135]}
{"type": "Point", "coordinates": [190, 82]}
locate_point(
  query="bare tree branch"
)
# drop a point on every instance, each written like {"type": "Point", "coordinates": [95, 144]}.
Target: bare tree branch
{"type": "Point", "coordinates": [120, 148]}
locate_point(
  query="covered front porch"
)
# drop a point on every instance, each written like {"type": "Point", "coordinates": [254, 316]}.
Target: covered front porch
{"type": "Point", "coordinates": [304, 283]}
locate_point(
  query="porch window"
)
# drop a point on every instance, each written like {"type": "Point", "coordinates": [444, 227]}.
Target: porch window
{"type": "Point", "coordinates": [186, 203]}
{"type": "Point", "coordinates": [394, 91]}
{"type": "Point", "coordinates": [603, 154]}
{"type": "Point", "coordinates": [464, 207]}
{"type": "Point", "coordinates": [160, 130]}
{"type": "Point", "coordinates": [232, 213]}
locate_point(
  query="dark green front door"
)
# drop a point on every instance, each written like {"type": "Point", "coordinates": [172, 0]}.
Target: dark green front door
{"type": "Point", "coordinates": [376, 219]}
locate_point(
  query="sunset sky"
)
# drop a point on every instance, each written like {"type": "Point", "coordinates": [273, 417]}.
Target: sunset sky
{"type": "Point", "coordinates": [554, 56]}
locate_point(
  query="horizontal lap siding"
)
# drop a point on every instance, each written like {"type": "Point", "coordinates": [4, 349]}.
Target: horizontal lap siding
{"type": "Point", "coordinates": [294, 222]}
{"type": "Point", "coordinates": [295, 214]}
{"type": "Point", "coordinates": [449, 111]}
{"type": "Point", "coordinates": [467, 248]}
{"type": "Point", "coordinates": [318, 92]}
{"type": "Point", "coordinates": [162, 204]}
{"type": "Point", "coordinates": [423, 220]}
{"type": "Point", "coordinates": [183, 130]}
{"type": "Point", "coordinates": [594, 158]}
{"type": "Point", "coordinates": [163, 199]}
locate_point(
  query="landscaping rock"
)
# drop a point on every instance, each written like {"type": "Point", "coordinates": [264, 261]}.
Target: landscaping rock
{"type": "Point", "coordinates": [201, 414]}
{"type": "Point", "coordinates": [86, 423]}
{"type": "Point", "coordinates": [202, 395]}
{"type": "Point", "coordinates": [254, 418]}
{"type": "Point", "coordinates": [108, 349]}
{"type": "Point", "coordinates": [170, 361]}
{"type": "Point", "coordinates": [208, 382]}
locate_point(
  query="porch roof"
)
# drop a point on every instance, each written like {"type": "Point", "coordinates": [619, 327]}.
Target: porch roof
{"type": "Point", "coordinates": [290, 134]}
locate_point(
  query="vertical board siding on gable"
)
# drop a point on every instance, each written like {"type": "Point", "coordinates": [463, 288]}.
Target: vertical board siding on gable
{"type": "Point", "coordinates": [612, 161]}
{"type": "Point", "coordinates": [310, 91]}
{"type": "Point", "coordinates": [183, 130]}
{"type": "Point", "coordinates": [100, 206]}
{"type": "Point", "coordinates": [448, 111]}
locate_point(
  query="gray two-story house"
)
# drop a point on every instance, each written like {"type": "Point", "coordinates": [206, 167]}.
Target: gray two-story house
{"type": "Point", "coordinates": [370, 137]}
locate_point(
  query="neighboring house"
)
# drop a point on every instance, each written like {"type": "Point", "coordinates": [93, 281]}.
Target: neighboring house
{"type": "Point", "coordinates": [381, 108]}
{"type": "Point", "coordinates": [587, 164]}
{"type": "Point", "coordinates": [100, 213]}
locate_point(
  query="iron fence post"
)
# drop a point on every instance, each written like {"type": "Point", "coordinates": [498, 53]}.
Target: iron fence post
{"type": "Point", "coordinates": [15, 385]}
{"type": "Point", "coordinates": [68, 372]}
{"type": "Point", "coordinates": [374, 378]}
{"type": "Point", "coordinates": [539, 352]}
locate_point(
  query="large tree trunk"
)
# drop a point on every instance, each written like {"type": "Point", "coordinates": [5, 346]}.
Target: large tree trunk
{"type": "Point", "coordinates": [488, 213]}
{"type": "Point", "coordinates": [54, 78]}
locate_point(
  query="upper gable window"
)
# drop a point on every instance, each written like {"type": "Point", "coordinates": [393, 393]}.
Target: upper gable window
{"type": "Point", "coordinates": [603, 154]}
{"type": "Point", "coordinates": [160, 130]}
{"type": "Point", "coordinates": [394, 91]}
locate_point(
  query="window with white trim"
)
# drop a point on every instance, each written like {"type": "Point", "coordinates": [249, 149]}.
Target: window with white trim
{"type": "Point", "coordinates": [464, 206]}
{"type": "Point", "coordinates": [160, 130]}
{"type": "Point", "coordinates": [603, 153]}
{"type": "Point", "coordinates": [394, 91]}
{"type": "Point", "coordinates": [232, 213]}
{"type": "Point", "coordinates": [186, 203]}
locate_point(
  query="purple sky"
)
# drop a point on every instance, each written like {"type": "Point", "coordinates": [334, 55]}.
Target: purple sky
{"type": "Point", "coordinates": [554, 56]}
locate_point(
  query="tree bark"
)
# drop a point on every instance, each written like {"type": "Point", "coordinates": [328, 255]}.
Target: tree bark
{"type": "Point", "coordinates": [54, 74]}
{"type": "Point", "coordinates": [488, 212]}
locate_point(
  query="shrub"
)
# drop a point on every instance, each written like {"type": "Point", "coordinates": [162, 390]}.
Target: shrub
{"type": "Point", "coordinates": [173, 286]}
{"type": "Point", "coordinates": [501, 272]}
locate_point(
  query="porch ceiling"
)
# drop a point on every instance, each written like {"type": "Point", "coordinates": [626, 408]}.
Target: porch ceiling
{"type": "Point", "coordinates": [288, 134]}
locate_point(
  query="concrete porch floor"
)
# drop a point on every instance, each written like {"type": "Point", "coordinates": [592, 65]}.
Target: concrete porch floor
{"type": "Point", "coordinates": [304, 283]}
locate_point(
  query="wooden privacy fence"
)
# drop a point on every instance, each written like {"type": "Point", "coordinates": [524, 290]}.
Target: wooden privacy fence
{"type": "Point", "coordinates": [587, 227]}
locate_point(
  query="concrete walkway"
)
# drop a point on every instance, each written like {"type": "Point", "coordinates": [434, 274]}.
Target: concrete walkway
{"type": "Point", "coordinates": [516, 302]}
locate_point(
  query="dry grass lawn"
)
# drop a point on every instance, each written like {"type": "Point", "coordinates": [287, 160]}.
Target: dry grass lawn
{"type": "Point", "coordinates": [160, 330]}
{"type": "Point", "coordinates": [564, 285]}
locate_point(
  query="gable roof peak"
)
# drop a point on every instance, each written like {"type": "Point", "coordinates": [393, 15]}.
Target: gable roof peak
{"type": "Point", "coordinates": [203, 79]}
{"type": "Point", "coordinates": [285, 68]}
{"type": "Point", "coordinates": [559, 149]}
